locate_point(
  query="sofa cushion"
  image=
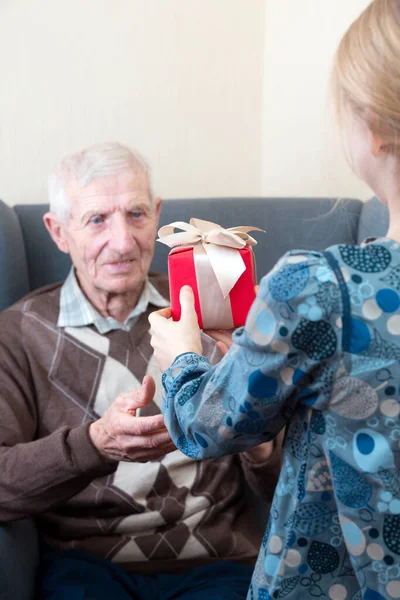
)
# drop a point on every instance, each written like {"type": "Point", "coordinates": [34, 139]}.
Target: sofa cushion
{"type": "Point", "coordinates": [374, 220]}
{"type": "Point", "coordinates": [46, 264]}
{"type": "Point", "coordinates": [13, 268]}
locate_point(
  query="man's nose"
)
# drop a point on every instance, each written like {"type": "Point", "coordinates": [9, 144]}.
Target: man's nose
{"type": "Point", "coordinates": [121, 238]}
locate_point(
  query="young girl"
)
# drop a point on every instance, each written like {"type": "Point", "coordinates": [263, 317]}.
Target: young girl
{"type": "Point", "coordinates": [330, 373]}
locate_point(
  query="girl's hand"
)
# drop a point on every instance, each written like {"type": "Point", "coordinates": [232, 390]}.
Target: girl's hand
{"type": "Point", "coordinates": [171, 338]}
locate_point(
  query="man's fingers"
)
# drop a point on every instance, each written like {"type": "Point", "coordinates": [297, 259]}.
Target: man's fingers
{"type": "Point", "coordinates": [142, 455]}
{"type": "Point", "coordinates": [186, 299]}
{"type": "Point", "coordinates": [147, 390]}
{"type": "Point", "coordinates": [154, 454]}
{"type": "Point", "coordinates": [156, 440]}
{"type": "Point", "coordinates": [221, 335]}
{"type": "Point", "coordinates": [136, 426]}
{"type": "Point", "coordinates": [223, 348]}
{"type": "Point", "coordinates": [130, 401]}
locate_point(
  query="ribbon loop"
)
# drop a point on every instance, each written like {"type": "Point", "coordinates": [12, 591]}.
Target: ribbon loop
{"type": "Point", "coordinates": [221, 245]}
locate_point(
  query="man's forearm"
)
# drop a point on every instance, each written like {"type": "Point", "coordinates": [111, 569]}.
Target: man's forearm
{"type": "Point", "coordinates": [35, 476]}
{"type": "Point", "coordinates": [262, 475]}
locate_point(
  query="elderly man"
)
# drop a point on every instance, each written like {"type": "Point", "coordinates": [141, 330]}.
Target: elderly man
{"type": "Point", "coordinates": [83, 447]}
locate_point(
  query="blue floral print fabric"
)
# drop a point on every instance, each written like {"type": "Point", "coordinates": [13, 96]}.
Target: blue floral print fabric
{"type": "Point", "coordinates": [320, 354]}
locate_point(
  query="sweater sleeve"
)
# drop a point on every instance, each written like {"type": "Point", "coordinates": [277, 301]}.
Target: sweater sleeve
{"type": "Point", "coordinates": [251, 394]}
{"type": "Point", "coordinates": [36, 474]}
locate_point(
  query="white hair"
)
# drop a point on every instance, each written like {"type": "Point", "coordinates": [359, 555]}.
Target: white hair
{"type": "Point", "coordinates": [88, 165]}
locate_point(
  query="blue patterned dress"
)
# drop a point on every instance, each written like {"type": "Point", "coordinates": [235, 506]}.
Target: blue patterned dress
{"type": "Point", "coordinates": [320, 354]}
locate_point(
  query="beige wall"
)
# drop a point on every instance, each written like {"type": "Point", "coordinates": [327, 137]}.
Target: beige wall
{"type": "Point", "coordinates": [181, 80]}
{"type": "Point", "coordinates": [302, 151]}
{"type": "Point", "coordinates": [223, 97]}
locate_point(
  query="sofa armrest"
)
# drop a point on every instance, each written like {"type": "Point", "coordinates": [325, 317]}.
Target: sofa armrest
{"type": "Point", "coordinates": [19, 558]}
{"type": "Point", "coordinates": [13, 266]}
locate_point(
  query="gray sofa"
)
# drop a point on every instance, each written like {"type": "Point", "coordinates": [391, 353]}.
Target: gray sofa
{"type": "Point", "coordinates": [29, 259]}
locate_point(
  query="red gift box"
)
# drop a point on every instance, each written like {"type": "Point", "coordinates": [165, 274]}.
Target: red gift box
{"type": "Point", "coordinates": [213, 310]}
{"type": "Point", "coordinates": [218, 264]}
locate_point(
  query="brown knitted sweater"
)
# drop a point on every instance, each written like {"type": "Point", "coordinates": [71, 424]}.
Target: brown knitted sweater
{"type": "Point", "coordinates": [163, 516]}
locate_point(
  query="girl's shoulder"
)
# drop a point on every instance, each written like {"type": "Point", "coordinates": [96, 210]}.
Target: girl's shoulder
{"type": "Point", "coordinates": [344, 262]}
{"type": "Point", "coordinates": [375, 255]}
{"type": "Point", "coordinates": [306, 264]}
{"type": "Point", "coordinates": [376, 262]}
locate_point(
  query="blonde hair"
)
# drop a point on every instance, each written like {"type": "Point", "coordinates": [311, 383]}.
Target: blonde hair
{"type": "Point", "coordinates": [366, 70]}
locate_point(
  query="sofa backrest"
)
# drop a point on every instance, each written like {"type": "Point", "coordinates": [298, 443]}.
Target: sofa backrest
{"type": "Point", "coordinates": [374, 220]}
{"type": "Point", "coordinates": [29, 258]}
{"type": "Point", "coordinates": [14, 278]}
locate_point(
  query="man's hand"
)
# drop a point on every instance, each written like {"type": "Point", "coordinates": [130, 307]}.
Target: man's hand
{"type": "Point", "coordinates": [261, 453]}
{"type": "Point", "coordinates": [169, 338]}
{"type": "Point", "coordinates": [121, 435]}
{"type": "Point", "coordinates": [223, 337]}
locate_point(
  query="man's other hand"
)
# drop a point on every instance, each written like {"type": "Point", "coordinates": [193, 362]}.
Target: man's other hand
{"type": "Point", "coordinates": [122, 436]}
{"type": "Point", "coordinates": [223, 337]}
{"type": "Point", "coordinates": [262, 453]}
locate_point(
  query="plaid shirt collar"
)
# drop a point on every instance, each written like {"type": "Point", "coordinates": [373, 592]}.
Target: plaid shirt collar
{"type": "Point", "coordinates": [77, 311]}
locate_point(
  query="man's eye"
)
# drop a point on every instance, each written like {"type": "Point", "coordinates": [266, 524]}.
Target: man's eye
{"type": "Point", "coordinates": [137, 214]}
{"type": "Point", "coordinates": [97, 220]}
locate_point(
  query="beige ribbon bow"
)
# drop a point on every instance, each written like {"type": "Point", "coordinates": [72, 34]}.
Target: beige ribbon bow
{"type": "Point", "coordinates": [221, 246]}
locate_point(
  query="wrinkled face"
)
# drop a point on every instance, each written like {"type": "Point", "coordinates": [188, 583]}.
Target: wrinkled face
{"type": "Point", "coordinates": [111, 232]}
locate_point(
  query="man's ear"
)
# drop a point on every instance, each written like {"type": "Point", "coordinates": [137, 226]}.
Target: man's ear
{"type": "Point", "coordinates": [157, 207]}
{"type": "Point", "coordinates": [56, 229]}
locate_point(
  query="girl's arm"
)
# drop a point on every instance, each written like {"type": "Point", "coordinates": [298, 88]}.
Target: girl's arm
{"type": "Point", "coordinates": [248, 397]}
